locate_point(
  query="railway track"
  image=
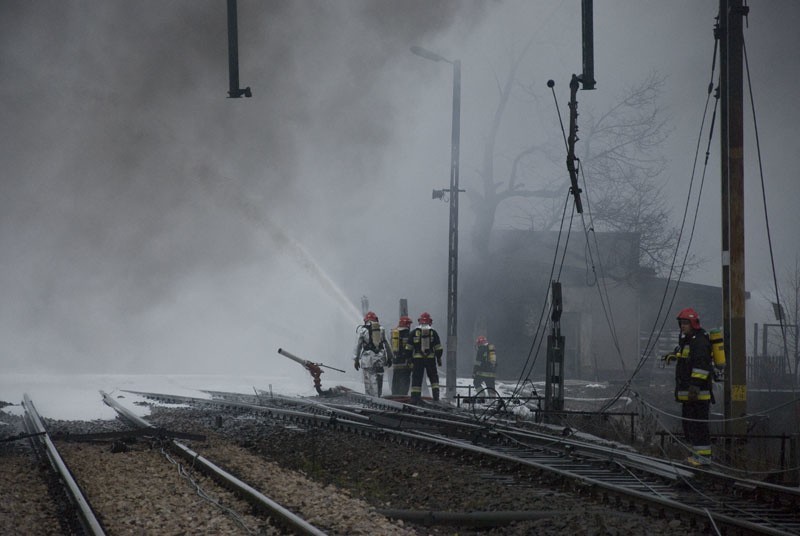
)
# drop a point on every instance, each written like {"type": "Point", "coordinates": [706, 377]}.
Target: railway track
{"type": "Point", "coordinates": [82, 510]}
{"type": "Point", "coordinates": [142, 458]}
{"type": "Point", "coordinates": [118, 490]}
{"type": "Point", "coordinates": [709, 499]}
{"type": "Point", "coordinates": [289, 520]}
{"type": "Point", "coordinates": [730, 501]}
{"type": "Point", "coordinates": [518, 457]}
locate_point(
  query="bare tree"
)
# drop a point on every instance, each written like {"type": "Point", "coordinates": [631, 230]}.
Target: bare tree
{"type": "Point", "coordinates": [622, 163]}
{"type": "Point", "coordinates": [620, 159]}
{"type": "Point", "coordinates": [493, 193]}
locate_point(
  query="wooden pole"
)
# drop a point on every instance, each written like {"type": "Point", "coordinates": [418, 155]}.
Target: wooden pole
{"type": "Point", "coordinates": [733, 291]}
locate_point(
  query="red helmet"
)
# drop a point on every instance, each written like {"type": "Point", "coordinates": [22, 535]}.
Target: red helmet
{"type": "Point", "coordinates": [481, 341]}
{"type": "Point", "coordinates": [405, 322]}
{"type": "Point", "coordinates": [425, 319]}
{"type": "Point", "coordinates": [690, 315]}
{"type": "Point", "coordinates": [370, 317]}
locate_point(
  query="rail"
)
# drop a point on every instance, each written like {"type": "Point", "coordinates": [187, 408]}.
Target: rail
{"type": "Point", "coordinates": [86, 515]}
{"type": "Point", "coordinates": [289, 519]}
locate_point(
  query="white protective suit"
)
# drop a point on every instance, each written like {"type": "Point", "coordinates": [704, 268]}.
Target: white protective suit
{"type": "Point", "coordinates": [372, 353]}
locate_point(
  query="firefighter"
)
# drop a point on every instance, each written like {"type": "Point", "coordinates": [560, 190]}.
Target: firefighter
{"type": "Point", "coordinates": [426, 348]}
{"type": "Point", "coordinates": [402, 362]}
{"type": "Point", "coordinates": [372, 353]}
{"type": "Point", "coordinates": [483, 372]}
{"type": "Point", "coordinates": [693, 384]}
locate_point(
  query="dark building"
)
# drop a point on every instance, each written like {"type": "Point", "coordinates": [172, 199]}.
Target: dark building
{"type": "Point", "coordinates": [508, 301]}
{"type": "Point", "coordinates": [610, 304]}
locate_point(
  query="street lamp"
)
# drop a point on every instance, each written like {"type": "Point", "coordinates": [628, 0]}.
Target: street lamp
{"type": "Point", "coordinates": [452, 262]}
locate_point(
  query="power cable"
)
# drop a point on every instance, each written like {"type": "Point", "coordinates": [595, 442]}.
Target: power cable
{"type": "Point", "coordinates": [203, 494]}
{"type": "Point", "coordinates": [607, 313]}
{"type": "Point", "coordinates": [766, 216]}
{"type": "Point", "coordinates": [527, 368]}
{"type": "Point", "coordinates": [654, 409]}
{"type": "Point", "coordinates": [644, 357]}
{"type": "Point", "coordinates": [648, 349]}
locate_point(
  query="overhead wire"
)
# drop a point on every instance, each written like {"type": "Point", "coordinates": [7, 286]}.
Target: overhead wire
{"type": "Point", "coordinates": [609, 318]}
{"type": "Point", "coordinates": [607, 313]}
{"type": "Point", "coordinates": [769, 234]}
{"type": "Point", "coordinates": [603, 293]}
{"type": "Point", "coordinates": [766, 212]}
{"type": "Point", "coordinates": [538, 336]}
{"type": "Point", "coordinates": [772, 264]}
{"type": "Point", "coordinates": [651, 339]}
{"type": "Point", "coordinates": [652, 408]}
{"type": "Point", "coordinates": [648, 350]}
{"type": "Point", "coordinates": [763, 189]}
{"type": "Point", "coordinates": [678, 280]}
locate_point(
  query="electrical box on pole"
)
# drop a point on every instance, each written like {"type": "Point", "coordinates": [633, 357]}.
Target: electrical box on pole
{"type": "Point", "coordinates": [554, 375]}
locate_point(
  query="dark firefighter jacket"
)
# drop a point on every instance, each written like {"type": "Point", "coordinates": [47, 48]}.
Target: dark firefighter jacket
{"type": "Point", "coordinates": [694, 366]}
{"type": "Point", "coordinates": [425, 343]}
{"type": "Point", "coordinates": [485, 361]}
{"type": "Point", "coordinates": [401, 347]}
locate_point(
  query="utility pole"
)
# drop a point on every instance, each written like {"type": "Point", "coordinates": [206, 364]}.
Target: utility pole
{"type": "Point", "coordinates": [587, 44]}
{"type": "Point", "coordinates": [452, 255]}
{"type": "Point", "coordinates": [731, 13]}
{"type": "Point", "coordinates": [587, 81]}
{"type": "Point", "coordinates": [234, 91]}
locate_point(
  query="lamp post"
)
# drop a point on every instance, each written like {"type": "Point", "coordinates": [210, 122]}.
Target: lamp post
{"type": "Point", "coordinates": [452, 261]}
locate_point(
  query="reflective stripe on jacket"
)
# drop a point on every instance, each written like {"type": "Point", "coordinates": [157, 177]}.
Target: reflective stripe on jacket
{"type": "Point", "coordinates": [693, 366]}
{"type": "Point", "coordinates": [683, 396]}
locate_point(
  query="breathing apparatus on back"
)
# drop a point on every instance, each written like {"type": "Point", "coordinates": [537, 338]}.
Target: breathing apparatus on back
{"type": "Point", "coordinates": [717, 352]}
{"type": "Point", "coordinates": [374, 332]}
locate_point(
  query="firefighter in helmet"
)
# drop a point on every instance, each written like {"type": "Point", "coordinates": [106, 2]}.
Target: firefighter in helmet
{"type": "Point", "coordinates": [426, 348]}
{"type": "Point", "coordinates": [402, 362]}
{"type": "Point", "coordinates": [693, 384]}
{"type": "Point", "coordinates": [483, 371]}
{"type": "Point", "coordinates": [372, 353]}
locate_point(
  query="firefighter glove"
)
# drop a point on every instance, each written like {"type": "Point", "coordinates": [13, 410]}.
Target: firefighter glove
{"type": "Point", "coordinates": [438, 361]}
{"type": "Point", "coordinates": [669, 358]}
{"type": "Point", "coordinates": [388, 363]}
{"type": "Point", "coordinates": [694, 392]}
{"type": "Point", "coordinates": [356, 364]}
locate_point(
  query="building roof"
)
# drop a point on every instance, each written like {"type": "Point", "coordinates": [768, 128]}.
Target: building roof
{"type": "Point", "coordinates": [535, 251]}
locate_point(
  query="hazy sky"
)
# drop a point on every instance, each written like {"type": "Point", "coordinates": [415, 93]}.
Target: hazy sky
{"type": "Point", "coordinates": [148, 221]}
